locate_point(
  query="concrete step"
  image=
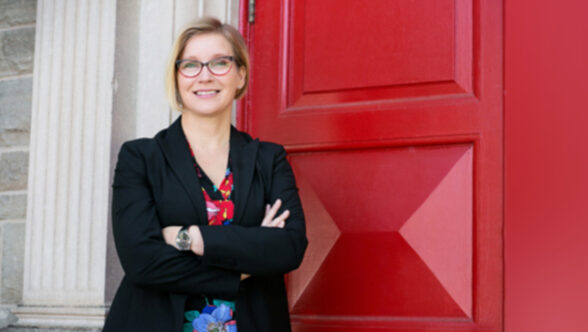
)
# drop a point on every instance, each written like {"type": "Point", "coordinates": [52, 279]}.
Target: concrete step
{"type": "Point", "coordinates": [45, 329]}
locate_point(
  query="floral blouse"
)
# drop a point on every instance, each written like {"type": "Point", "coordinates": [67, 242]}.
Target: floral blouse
{"type": "Point", "coordinates": [217, 315]}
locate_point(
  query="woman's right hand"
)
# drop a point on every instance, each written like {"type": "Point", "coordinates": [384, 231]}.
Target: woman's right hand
{"type": "Point", "coordinates": [270, 213]}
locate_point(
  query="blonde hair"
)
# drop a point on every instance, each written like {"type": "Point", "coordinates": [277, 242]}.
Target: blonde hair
{"type": "Point", "coordinates": [202, 26]}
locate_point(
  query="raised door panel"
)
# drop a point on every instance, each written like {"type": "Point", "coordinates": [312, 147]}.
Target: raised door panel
{"type": "Point", "coordinates": [395, 232]}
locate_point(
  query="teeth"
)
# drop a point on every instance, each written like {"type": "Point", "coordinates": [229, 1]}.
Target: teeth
{"type": "Point", "coordinates": [205, 93]}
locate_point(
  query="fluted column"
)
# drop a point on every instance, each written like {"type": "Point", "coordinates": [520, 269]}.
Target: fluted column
{"type": "Point", "coordinates": [68, 187]}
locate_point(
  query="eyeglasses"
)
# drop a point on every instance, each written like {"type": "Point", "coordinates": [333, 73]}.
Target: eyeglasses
{"type": "Point", "coordinates": [217, 66]}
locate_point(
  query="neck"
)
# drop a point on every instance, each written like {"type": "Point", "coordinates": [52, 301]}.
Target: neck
{"type": "Point", "coordinates": [209, 133]}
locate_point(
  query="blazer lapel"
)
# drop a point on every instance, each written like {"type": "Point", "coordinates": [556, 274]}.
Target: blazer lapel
{"type": "Point", "coordinates": [177, 152]}
{"type": "Point", "coordinates": [243, 155]}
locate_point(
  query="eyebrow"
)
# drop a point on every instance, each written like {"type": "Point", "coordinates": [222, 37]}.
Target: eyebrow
{"type": "Point", "coordinates": [214, 56]}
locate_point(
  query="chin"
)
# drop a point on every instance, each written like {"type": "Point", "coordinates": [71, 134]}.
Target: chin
{"type": "Point", "coordinates": [206, 112]}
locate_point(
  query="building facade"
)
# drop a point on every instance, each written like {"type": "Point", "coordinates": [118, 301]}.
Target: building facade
{"type": "Point", "coordinates": [78, 78]}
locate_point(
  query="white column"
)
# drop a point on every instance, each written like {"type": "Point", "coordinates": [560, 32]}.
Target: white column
{"type": "Point", "coordinates": [68, 187]}
{"type": "Point", "coordinates": [187, 10]}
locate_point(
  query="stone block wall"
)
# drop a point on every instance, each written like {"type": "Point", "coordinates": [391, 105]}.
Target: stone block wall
{"type": "Point", "coordinates": [17, 36]}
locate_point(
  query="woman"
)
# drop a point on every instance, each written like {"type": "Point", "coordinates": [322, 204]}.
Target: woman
{"type": "Point", "coordinates": [206, 220]}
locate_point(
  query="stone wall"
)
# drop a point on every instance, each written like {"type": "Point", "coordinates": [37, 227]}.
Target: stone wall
{"type": "Point", "coordinates": [17, 34]}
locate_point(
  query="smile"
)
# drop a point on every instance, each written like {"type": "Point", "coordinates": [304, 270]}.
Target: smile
{"type": "Point", "coordinates": [206, 92]}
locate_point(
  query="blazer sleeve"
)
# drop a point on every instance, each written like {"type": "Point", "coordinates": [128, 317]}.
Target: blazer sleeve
{"type": "Point", "coordinates": [262, 250]}
{"type": "Point", "coordinates": [145, 257]}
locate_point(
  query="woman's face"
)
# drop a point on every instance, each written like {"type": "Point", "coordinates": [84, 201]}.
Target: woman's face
{"type": "Point", "coordinates": [208, 94]}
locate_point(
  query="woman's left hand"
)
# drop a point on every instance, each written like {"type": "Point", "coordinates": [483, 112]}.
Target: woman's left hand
{"type": "Point", "coordinates": [270, 213]}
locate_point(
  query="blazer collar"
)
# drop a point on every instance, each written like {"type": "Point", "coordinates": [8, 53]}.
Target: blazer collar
{"type": "Point", "coordinates": [243, 155]}
{"type": "Point", "coordinates": [243, 152]}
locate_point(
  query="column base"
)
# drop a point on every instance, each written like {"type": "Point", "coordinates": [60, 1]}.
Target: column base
{"type": "Point", "coordinates": [60, 316]}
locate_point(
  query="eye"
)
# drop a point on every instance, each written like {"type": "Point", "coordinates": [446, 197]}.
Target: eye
{"type": "Point", "coordinates": [190, 65]}
{"type": "Point", "coordinates": [220, 63]}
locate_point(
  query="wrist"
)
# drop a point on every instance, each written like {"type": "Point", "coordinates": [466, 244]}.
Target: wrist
{"type": "Point", "coordinates": [197, 245]}
{"type": "Point", "coordinates": [183, 239]}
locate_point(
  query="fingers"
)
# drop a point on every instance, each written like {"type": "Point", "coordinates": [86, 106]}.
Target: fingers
{"type": "Point", "coordinates": [270, 212]}
{"type": "Point", "coordinates": [274, 209]}
{"type": "Point", "coordinates": [267, 219]}
{"type": "Point", "coordinates": [280, 221]}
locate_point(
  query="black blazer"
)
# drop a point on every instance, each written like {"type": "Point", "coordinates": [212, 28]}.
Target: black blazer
{"type": "Point", "coordinates": [155, 185]}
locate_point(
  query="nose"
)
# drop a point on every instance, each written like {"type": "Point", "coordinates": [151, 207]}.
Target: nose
{"type": "Point", "coordinates": [205, 74]}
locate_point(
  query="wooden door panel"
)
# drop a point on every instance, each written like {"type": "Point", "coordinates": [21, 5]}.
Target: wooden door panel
{"type": "Point", "coordinates": [422, 53]}
{"type": "Point", "coordinates": [336, 60]}
{"type": "Point", "coordinates": [401, 51]}
{"type": "Point", "coordinates": [391, 112]}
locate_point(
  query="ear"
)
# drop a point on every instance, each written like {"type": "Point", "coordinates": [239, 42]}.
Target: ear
{"type": "Point", "coordinates": [242, 73]}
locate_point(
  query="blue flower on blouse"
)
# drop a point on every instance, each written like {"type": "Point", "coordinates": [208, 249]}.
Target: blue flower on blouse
{"type": "Point", "coordinates": [219, 320]}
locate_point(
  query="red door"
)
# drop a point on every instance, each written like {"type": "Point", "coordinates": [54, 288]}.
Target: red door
{"type": "Point", "coordinates": [391, 112]}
